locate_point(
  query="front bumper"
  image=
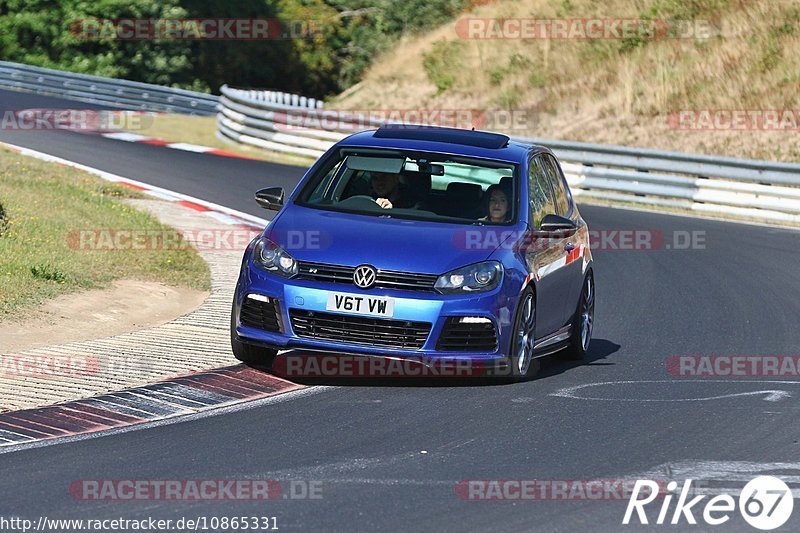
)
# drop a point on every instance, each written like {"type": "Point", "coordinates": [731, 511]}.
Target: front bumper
{"type": "Point", "coordinates": [496, 306]}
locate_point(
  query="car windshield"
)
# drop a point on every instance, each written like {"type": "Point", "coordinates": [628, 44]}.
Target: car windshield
{"type": "Point", "coordinates": [416, 186]}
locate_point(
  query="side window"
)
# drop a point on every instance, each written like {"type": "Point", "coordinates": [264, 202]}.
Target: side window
{"type": "Point", "coordinates": [560, 190]}
{"type": "Point", "coordinates": [539, 193]}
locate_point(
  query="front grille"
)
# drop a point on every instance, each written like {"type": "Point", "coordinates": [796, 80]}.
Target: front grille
{"type": "Point", "coordinates": [261, 315]}
{"type": "Point", "coordinates": [359, 330]}
{"type": "Point", "coordinates": [460, 336]}
{"type": "Point", "coordinates": [323, 272]}
{"type": "Point", "coordinates": [386, 279]}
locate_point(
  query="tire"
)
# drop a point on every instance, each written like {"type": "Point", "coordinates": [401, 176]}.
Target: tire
{"type": "Point", "coordinates": [248, 353]}
{"type": "Point", "coordinates": [525, 319]}
{"type": "Point", "coordinates": [581, 336]}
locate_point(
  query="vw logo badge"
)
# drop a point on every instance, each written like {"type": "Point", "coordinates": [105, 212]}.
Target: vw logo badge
{"type": "Point", "coordinates": [364, 276]}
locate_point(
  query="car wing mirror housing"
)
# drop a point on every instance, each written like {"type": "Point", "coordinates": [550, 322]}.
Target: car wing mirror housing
{"type": "Point", "coordinates": [556, 223]}
{"type": "Point", "coordinates": [270, 198]}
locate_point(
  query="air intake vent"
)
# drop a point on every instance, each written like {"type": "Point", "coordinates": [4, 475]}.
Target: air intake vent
{"type": "Point", "coordinates": [359, 330]}
{"type": "Point", "coordinates": [260, 314]}
{"type": "Point", "coordinates": [467, 335]}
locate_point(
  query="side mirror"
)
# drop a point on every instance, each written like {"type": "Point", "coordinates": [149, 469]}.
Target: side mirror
{"type": "Point", "coordinates": [270, 198]}
{"type": "Point", "coordinates": [557, 223]}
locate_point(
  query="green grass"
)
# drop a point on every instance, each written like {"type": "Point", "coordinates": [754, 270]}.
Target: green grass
{"type": "Point", "coordinates": [442, 64]}
{"type": "Point", "coordinates": [538, 78]}
{"type": "Point", "coordinates": [41, 205]}
{"type": "Point", "coordinates": [508, 98]}
{"type": "Point", "coordinates": [496, 76]}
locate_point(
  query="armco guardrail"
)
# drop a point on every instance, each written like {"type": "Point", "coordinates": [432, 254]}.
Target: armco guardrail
{"type": "Point", "coordinates": [710, 184]}
{"type": "Point", "coordinates": [262, 118]}
{"type": "Point", "coordinates": [105, 91]}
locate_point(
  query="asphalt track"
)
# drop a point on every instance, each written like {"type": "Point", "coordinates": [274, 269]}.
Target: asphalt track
{"type": "Point", "coordinates": [389, 455]}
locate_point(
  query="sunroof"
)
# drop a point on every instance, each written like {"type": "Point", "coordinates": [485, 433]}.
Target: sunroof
{"type": "Point", "coordinates": [480, 139]}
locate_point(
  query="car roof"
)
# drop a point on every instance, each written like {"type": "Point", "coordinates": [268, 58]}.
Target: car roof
{"type": "Point", "coordinates": [481, 144]}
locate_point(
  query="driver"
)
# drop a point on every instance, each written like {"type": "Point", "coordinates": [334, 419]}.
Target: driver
{"type": "Point", "coordinates": [387, 192]}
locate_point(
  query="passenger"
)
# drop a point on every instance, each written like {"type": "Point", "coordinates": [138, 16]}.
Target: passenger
{"type": "Point", "coordinates": [497, 205]}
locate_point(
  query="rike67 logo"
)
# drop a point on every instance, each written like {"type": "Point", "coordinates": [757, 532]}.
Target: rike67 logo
{"type": "Point", "coordinates": [765, 503]}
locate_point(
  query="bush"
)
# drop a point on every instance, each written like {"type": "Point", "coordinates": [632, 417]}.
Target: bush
{"type": "Point", "coordinates": [3, 220]}
{"type": "Point", "coordinates": [49, 273]}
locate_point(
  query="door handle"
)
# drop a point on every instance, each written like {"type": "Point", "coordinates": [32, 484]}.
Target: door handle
{"type": "Point", "coordinates": [569, 247]}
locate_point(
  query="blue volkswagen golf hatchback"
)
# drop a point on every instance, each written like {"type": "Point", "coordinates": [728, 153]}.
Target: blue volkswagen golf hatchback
{"type": "Point", "coordinates": [424, 242]}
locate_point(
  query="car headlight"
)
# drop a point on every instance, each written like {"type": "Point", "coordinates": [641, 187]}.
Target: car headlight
{"type": "Point", "coordinates": [273, 258]}
{"type": "Point", "coordinates": [473, 278]}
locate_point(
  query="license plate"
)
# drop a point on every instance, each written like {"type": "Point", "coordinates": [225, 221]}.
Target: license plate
{"type": "Point", "coordinates": [360, 305]}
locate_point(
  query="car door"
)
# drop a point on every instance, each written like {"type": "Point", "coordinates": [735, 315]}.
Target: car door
{"type": "Point", "coordinates": [572, 270]}
{"type": "Point", "coordinates": [543, 253]}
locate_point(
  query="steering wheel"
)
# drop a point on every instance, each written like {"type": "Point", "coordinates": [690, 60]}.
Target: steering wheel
{"type": "Point", "coordinates": [360, 201]}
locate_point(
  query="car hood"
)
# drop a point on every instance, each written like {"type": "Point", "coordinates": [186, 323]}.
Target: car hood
{"type": "Point", "coordinates": [386, 243]}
